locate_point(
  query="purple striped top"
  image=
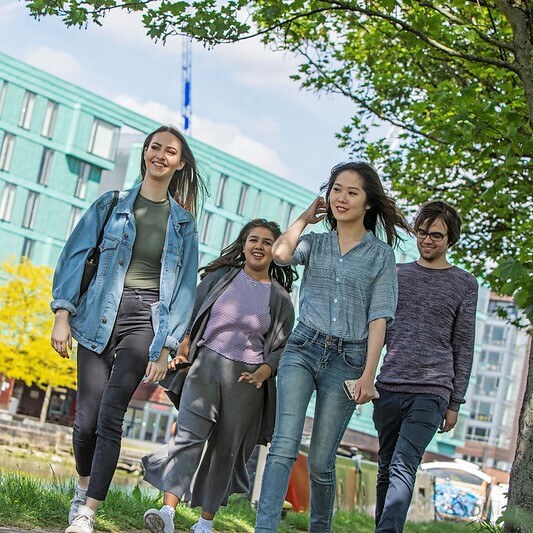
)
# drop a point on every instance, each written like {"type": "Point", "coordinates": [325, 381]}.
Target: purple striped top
{"type": "Point", "coordinates": [239, 320]}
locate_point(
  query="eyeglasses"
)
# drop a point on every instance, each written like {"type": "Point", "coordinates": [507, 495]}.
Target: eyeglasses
{"type": "Point", "coordinates": [435, 236]}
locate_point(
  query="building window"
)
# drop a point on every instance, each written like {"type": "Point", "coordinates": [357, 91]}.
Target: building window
{"type": "Point", "coordinates": [6, 152]}
{"type": "Point", "coordinates": [75, 214]}
{"type": "Point", "coordinates": [490, 360]}
{"type": "Point", "coordinates": [103, 139]}
{"type": "Point", "coordinates": [228, 230]}
{"type": "Point", "coordinates": [206, 228]}
{"type": "Point", "coordinates": [46, 165]}
{"type": "Point", "coordinates": [242, 199]}
{"type": "Point", "coordinates": [481, 411]}
{"type": "Point", "coordinates": [7, 201]}
{"type": "Point", "coordinates": [84, 173]}
{"type": "Point", "coordinates": [487, 385]}
{"type": "Point", "coordinates": [495, 335]}
{"type": "Point", "coordinates": [26, 111]}
{"type": "Point", "coordinates": [219, 201]}
{"type": "Point", "coordinates": [27, 248]}
{"type": "Point", "coordinates": [3, 90]}
{"type": "Point", "coordinates": [257, 205]}
{"type": "Point", "coordinates": [290, 214]}
{"type": "Point", "coordinates": [49, 119]}
{"type": "Point", "coordinates": [31, 210]}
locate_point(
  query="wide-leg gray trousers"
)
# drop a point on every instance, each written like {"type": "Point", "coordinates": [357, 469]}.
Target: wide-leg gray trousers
{"type": "Point", "coordinates": [218, 410]}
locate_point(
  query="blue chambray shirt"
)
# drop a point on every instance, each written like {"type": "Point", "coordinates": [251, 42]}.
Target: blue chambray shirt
{"type": "Point", "coordinates": [92, 317]}
{"type": "Point", "coordinates": [341, 294]}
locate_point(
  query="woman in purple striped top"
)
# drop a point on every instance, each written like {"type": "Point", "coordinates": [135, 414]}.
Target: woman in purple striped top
{"type": "Point", "coordinates": [241, 321]}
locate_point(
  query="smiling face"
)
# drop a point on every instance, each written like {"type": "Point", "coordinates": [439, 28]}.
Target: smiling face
{"type": "Point", "coordinates": [433, 251]}
{"type": "Point", "coordinates": [162, 157]}
{"type": "Point", "coordinates": [347, 198]}
{"type": "Point", "coordinates": [257, 251]}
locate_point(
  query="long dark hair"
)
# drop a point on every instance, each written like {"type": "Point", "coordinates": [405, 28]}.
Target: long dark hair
{"type": "Point", "coordinates": [187, 187]}
{"type": "Point", "coordinates": [383, 210]}
{"type": "Point", "coordinates": [233, 255]}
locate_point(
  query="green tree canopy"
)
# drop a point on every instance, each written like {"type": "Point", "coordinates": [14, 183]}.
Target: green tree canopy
{"type": "Point", "coordinates": [455, 78]}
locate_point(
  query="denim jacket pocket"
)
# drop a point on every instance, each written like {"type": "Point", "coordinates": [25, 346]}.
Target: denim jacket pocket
{"type": "Point", "coordinates": [354, 357]}
{"type": "Point", "coordinates": [107, 247]}
{"type": "Point", "coordinates": [173, 258]}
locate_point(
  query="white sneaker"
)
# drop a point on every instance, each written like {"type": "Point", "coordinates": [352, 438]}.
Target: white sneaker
{"type": "Point", "coordinates": [197, 528]}
{"type": "Point", "coordinates": [158, 522]}
{"type": "Point", "coordinates": [80, 498]}
{"type": "Point", "coordinates": [83, 521]}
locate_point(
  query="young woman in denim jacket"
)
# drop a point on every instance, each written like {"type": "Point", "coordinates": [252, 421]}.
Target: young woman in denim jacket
{"type": "Point", "coordinates": [136, 309]}
{"type": "Point", "coordinates": [242, 318]}
{"type": "Point", "coordinates": [347, 296]}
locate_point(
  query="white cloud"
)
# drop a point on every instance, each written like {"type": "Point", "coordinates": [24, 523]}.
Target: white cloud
{"type": "Point", "coordinates": [254, 64]}
{"type": "Point", "coordinates": [55, 62]}
{"type": "Point", "coordinates": [224, 136]}
{"type": "Point", "coordinates": [7, 9]}
{"type": "Point", "coordinates": [250, 62]}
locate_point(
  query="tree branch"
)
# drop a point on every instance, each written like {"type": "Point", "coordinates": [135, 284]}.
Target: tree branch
{"type": "Point", "coordinates": [425, 38]}
{"type": "Point", "coordinates": [462, 22]}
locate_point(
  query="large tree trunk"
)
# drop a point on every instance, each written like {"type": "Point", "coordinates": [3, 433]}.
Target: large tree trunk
{"type": "Point", "coordinates": [519, 512]}
{"type": "Point", "coordinates": [519, 13]}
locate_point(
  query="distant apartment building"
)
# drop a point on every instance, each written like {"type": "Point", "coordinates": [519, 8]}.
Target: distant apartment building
{"type": "Point", "coordinates": [497, 387]}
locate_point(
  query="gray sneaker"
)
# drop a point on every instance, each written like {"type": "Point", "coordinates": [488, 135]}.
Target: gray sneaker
{"type": "Point", "coordinates": [80, 498]}
{"type": "Point", "coordinates": [82, 523]}
{"type": "Point", "coordinates": [158, 522]}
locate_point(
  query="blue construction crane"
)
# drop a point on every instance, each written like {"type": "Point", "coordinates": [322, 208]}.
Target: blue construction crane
{"type": "Point", "coordinates": [186, 67]}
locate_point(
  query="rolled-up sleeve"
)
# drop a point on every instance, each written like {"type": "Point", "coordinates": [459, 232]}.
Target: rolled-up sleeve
{"type": "Point", "coordinates": [303, 250]}
{"type": "Point", "coordinates": [384, 291]}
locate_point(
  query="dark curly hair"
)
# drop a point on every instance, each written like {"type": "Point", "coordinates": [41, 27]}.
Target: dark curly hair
{"type": "Point", "coordinates": [383, 211]}
{"type": "Point", "coordinates": [233, 255]}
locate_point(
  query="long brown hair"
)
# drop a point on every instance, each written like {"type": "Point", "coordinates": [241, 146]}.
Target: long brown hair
{"type": "Point", "coordinates": [187, 187]}
{"type": "Point", "coordinates": [383, 212]}
{"type": "Point", "coordinates": [233, 255]}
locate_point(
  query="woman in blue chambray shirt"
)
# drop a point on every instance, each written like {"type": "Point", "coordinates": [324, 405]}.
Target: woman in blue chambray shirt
{"type": "Point", "coordinates": [347, 297]}
{"type": "Point", "coordinates": [136, 309]}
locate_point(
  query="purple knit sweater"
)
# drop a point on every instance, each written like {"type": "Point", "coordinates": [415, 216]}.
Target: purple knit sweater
{"type": "Point", "coordinates": [430, 346]}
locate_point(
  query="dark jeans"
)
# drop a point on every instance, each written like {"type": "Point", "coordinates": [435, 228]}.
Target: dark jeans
{"type": "Point", "coordinates": [106, 383]}
{"type": "Point", "coordinates": [406, 423]}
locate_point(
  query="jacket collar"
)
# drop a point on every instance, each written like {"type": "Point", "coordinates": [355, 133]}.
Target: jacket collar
{"type": "Point", "coordinates": [127, 198]}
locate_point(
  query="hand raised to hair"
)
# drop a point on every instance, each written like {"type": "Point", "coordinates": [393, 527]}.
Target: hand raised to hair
{"type": "Point", "coordinates": [316, 211]}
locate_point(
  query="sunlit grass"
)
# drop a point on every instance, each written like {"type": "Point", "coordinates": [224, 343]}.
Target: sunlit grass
{"type": "Point", "coordinates": [31, 503]}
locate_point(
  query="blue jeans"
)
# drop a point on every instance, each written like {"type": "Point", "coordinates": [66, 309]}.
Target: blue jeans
{"type": "Point", "coordinates": [406, 423]}
{"type": "Point", "coordinates": [311, 361]}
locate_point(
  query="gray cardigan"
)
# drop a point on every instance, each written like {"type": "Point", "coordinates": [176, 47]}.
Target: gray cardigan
{"type": "Point", "coordinates": [282, 321]}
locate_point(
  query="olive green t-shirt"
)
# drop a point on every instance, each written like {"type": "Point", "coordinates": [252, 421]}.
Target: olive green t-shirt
{"type": "Point", "coordinates": [151, 219]}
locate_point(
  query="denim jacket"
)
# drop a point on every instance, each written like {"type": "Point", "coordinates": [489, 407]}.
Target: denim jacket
{"type": "Point", "coordinates": [92, 317]}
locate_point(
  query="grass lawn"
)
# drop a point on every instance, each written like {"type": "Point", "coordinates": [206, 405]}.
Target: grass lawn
{"type": "Point", "coordinates": [26, 502]}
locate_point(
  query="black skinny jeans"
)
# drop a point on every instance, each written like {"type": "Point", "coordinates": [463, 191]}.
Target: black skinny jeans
{"type": "Point", "coordinates": [106, 383]}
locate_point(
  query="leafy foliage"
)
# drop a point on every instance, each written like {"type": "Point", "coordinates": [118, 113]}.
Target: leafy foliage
{"type": "Point", "coordinates": [25, 351]}
{"type": "Point", "coordinates": [454, 79]}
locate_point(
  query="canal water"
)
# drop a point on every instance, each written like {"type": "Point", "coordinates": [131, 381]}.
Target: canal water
{"type": "Point", "coordinates": [54, 468]}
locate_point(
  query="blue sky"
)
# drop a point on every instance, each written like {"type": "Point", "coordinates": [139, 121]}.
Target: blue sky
{"type": "Point", "coordinates": [243, 100]}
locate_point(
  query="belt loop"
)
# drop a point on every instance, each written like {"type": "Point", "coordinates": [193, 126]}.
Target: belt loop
{"type": "Point", "coordinates": [315, 336]}
{"type": "Point", "coordinates": [340, 345]}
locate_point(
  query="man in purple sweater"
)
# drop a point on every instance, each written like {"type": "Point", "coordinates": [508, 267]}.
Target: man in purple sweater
{"type": "Point", "coordinates": [425, 373]}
